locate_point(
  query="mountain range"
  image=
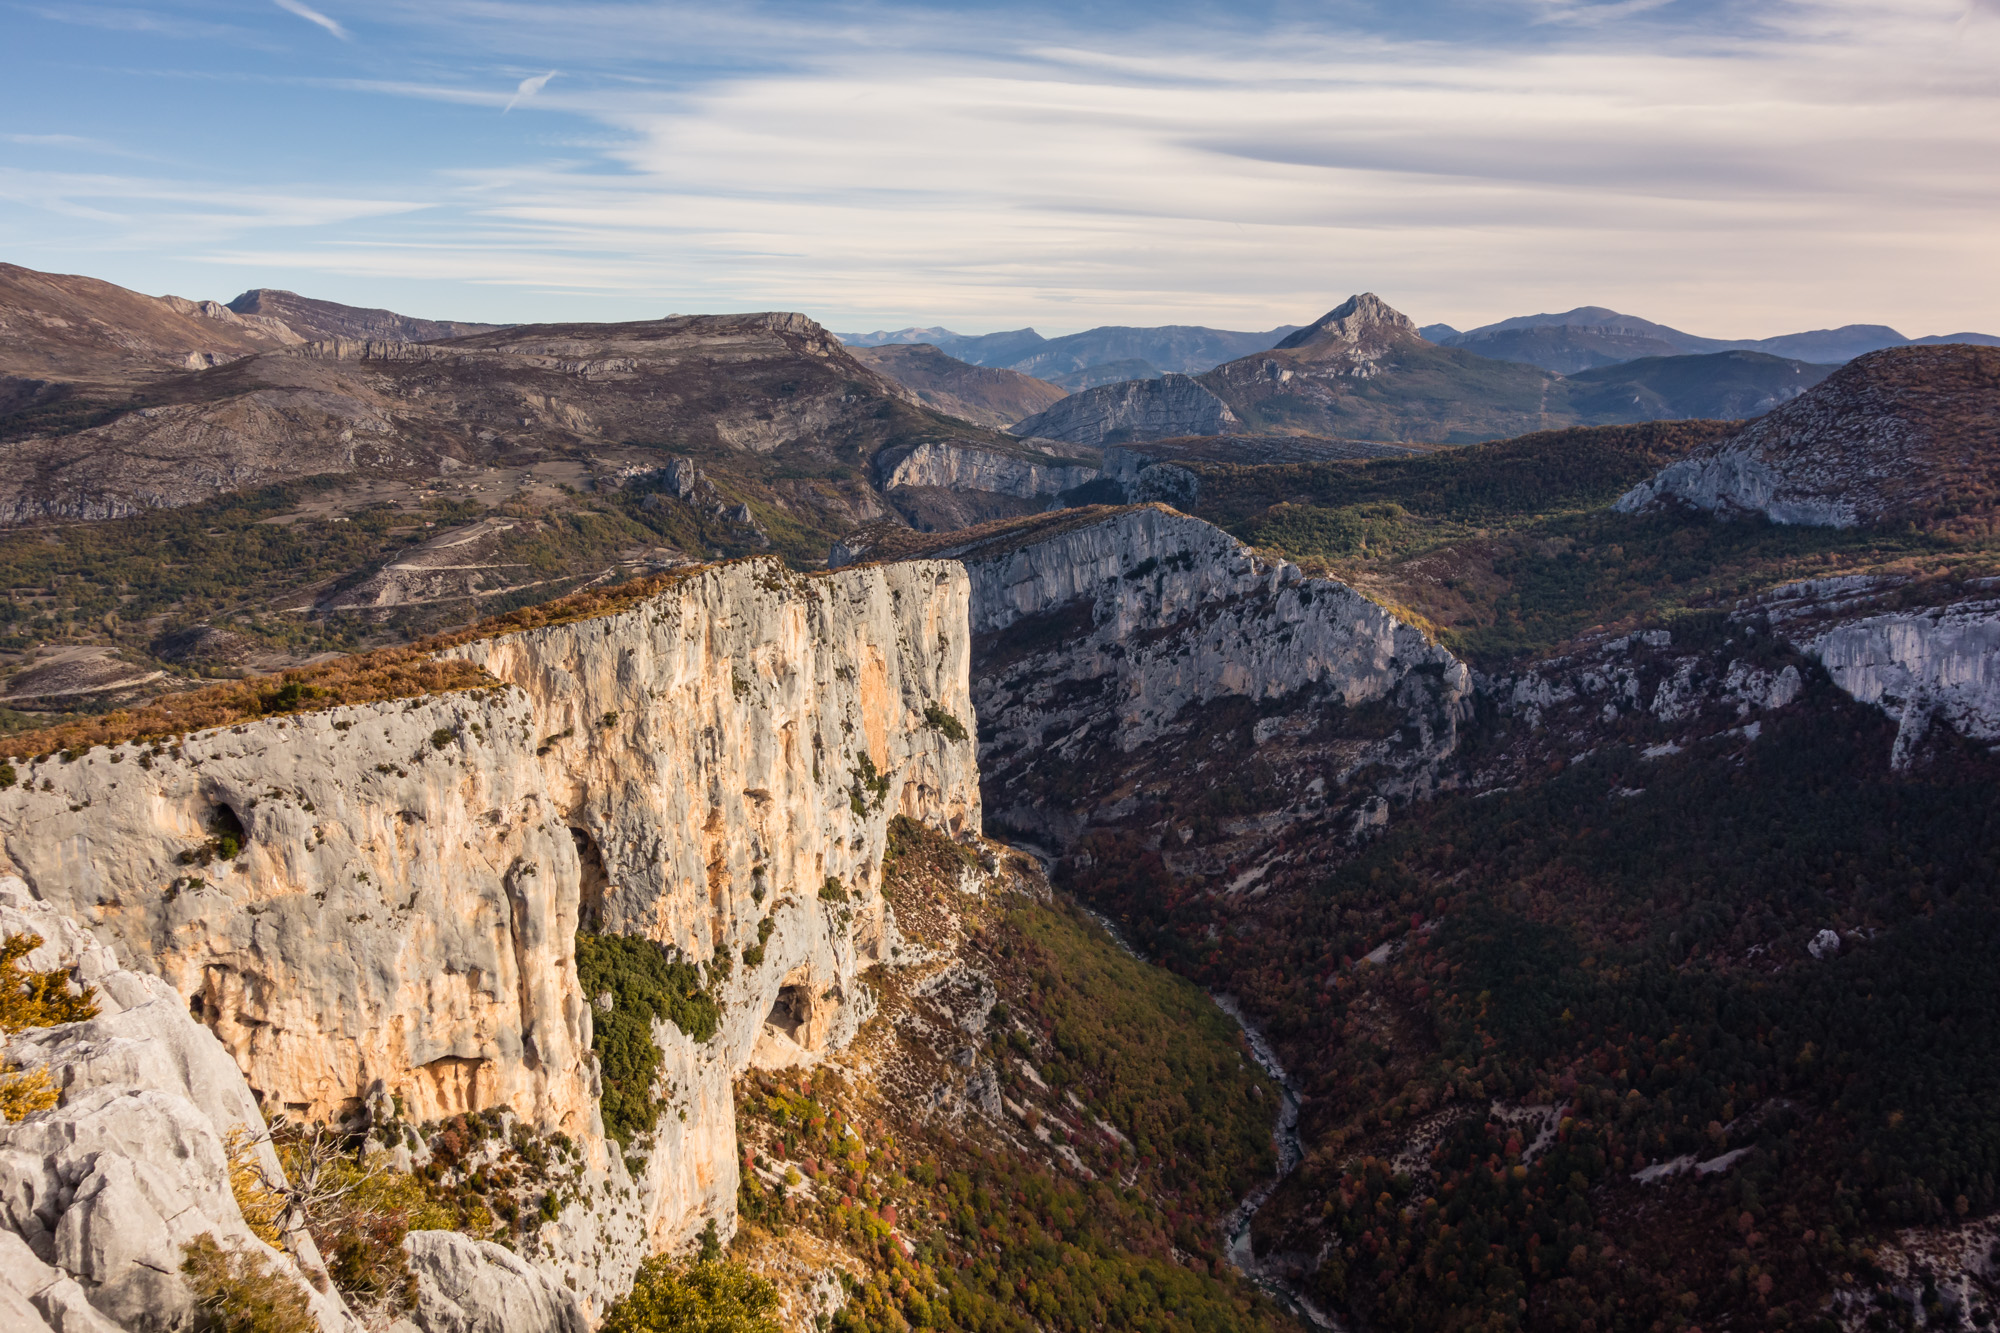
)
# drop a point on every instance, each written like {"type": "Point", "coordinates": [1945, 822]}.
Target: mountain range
{"type": "Point", "coordinates": [1363, 371]}
{"type": "Point", "coordinates": [1592, 336]}
{"type": "Point", "coordinates": [1575, 340]}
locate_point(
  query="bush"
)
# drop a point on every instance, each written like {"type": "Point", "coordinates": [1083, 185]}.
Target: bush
{"type": "Point", "coordinates": [832, 892]}
{"type": "Point", "coordinates": [646, 982]}
{"type": "Point", "coordinates": [263, 1208]}
{"type": "Point", "coordinates": [37, 999]}
{"type": "Point", "coordinates": [708, 1296]}
{"type": "Point", "coordinates": [23, 1094]}
{"type": "Point", "coordinates": [34, 1000]}
{"type": "Point", "coordinates": [944, 723]}
{"type": "Point", "coordinates": [243, 1293]}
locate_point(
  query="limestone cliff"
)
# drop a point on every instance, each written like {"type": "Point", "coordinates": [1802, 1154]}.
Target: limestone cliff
{"type": "Point", "coordinates": [1111, 642]}
{"type": "Point", "coordinates": [98, 1194]}
{"type": "Point", "coordinates": [1922, 659]}
{"type": "Point", "coordinates": [399, 921]}
{"type": "Point", "coordinates": [957, 468]}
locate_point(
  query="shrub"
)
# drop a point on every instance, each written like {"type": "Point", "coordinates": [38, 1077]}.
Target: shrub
{"type": "Point", "coordinates": [358, 1213]}
{"type": "Point", "coordinates": [832, 892]}
{"type": "Point", "coordinates": [753, 954]}
{"type": "Point", "coordinates": [262, 1207]}
{"type": "Point", "coordinates": [23, 1094]}
{"type": "Point", "coordinates": [34, 1000]}
{"type": "Point", "coordinates": [867, 783]}
{"type": "Point", "coordinates": [938, 720]}
{"type": "Point", "coordinates": [708, 1296]}
{"type": "Point", "coordinates": [646, 982]}
{"type": "Point", "coordinates": [225, 840]}
{"type": "Point", "coordinates": [37, 999]}
{"type": "Point", "coordinates": [243, 1293]}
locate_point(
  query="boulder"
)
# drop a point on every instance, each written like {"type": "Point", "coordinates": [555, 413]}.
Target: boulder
{"type": "Point", "coordinates": [473, 1286]}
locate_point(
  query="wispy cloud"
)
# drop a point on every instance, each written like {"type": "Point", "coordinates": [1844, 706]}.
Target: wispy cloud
{"type": "Point", "coordinates": [528, 88]}
{"type": "Point", "coordinates": [311, 15]}
{"type": "Point", "coordinates": [1815, 162]}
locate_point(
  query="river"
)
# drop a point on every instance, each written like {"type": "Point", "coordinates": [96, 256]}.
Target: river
{"type": "Point", "coordinates": [1285, 1136]}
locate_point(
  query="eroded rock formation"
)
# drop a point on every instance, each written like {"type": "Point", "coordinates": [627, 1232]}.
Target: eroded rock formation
{"type": "Point", "coordinates": [1111, 642]}
{"type": "Point", "coordinates": [696, 768]}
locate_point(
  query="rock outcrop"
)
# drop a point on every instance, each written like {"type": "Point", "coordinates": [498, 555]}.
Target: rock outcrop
{"type": "Point", "coordinates": [955, 467]}
{"type": "Point", "coordinates": [1132, 410]}
{"type": "Point", "coordinates": [1918, 663]}
{"type": "Point", "coordinates": [1108, 638]}
{"type": "Point", "coordinates": [1908, 433]}
{"type": "Point", "coordinates": [474, 1286]}
{"type": "Point", "coordinates": [399, 922]}
{"type": "Point", "coordinates": [98, 1195]}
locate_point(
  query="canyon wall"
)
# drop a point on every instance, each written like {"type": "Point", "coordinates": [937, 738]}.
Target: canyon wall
{"type": "Point", "coordinates": [1110, 642]}
{"type": "Point", "coordinates": [1920, 655]}
{"type": "Point", "coordinates": [398, 925]}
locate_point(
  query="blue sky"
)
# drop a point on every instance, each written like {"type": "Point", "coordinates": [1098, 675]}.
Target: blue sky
{"type": "Point", "coordinates": [1735, 170]}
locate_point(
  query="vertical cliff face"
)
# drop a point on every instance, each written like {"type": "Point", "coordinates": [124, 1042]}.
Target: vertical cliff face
{"type": "Point", "coordinates": [1135, 661]}
{"type": "Point", "coordinates": [400, 919]}
{"type": "Point", "coordinates": [1920, 655]}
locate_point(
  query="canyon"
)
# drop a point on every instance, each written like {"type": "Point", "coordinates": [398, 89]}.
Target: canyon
{"type": "Point", "coordinates": [1550, 810]}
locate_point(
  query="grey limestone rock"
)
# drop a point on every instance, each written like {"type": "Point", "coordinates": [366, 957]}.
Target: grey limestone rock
{"type": "Point", "coordinates": [473, 1286]}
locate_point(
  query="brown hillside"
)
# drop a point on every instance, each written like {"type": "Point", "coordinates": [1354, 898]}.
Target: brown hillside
{"type": "Point", "coordinates": [66, 329]}
{"type": "Point", "coordinates": [995, 398]}
{"type": "Point", "coordinates": [771, 398]}
{"type": "Point", "coordinates": [1904, 434]}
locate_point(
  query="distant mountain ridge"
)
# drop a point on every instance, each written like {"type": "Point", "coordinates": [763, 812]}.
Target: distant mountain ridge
{"type": "Point", "coordinates": [1096, 356]}
{"type": "Point", "coordinates": [1592, 336]}
{"type": "Point", "coordinates": [979, 394]}
{"type": "Point", "coordinates": [318, 321]}
{"type": "Point", "coordinates": [1364, 372]}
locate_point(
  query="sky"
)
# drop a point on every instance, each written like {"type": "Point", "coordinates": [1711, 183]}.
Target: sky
{"type": "Point", "coordinates": [1734, 170]}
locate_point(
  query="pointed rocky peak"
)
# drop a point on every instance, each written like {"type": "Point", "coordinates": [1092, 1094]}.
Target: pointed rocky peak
{"type": "Point", "coordinates": [1364, 322]}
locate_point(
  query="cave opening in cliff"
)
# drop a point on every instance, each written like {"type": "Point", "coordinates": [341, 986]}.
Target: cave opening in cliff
{"type": "Point", "coordinates": [789, 1011]}
{"type": "Point", "coordinates": [595, 880]}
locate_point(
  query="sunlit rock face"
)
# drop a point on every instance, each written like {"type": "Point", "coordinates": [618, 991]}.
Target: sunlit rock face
{"type": "Point", "coordinates": [400, 920]}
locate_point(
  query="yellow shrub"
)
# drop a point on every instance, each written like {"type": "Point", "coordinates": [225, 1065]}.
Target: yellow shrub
{"type": "Point", "coordinates": [37, 999]}
{"type": "Point", "coordinates": [261, 1206]}
{"type": "Point", "coordinates": [24, 1094]}
{"type": "Point", "coordinates": [243, 1293]}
